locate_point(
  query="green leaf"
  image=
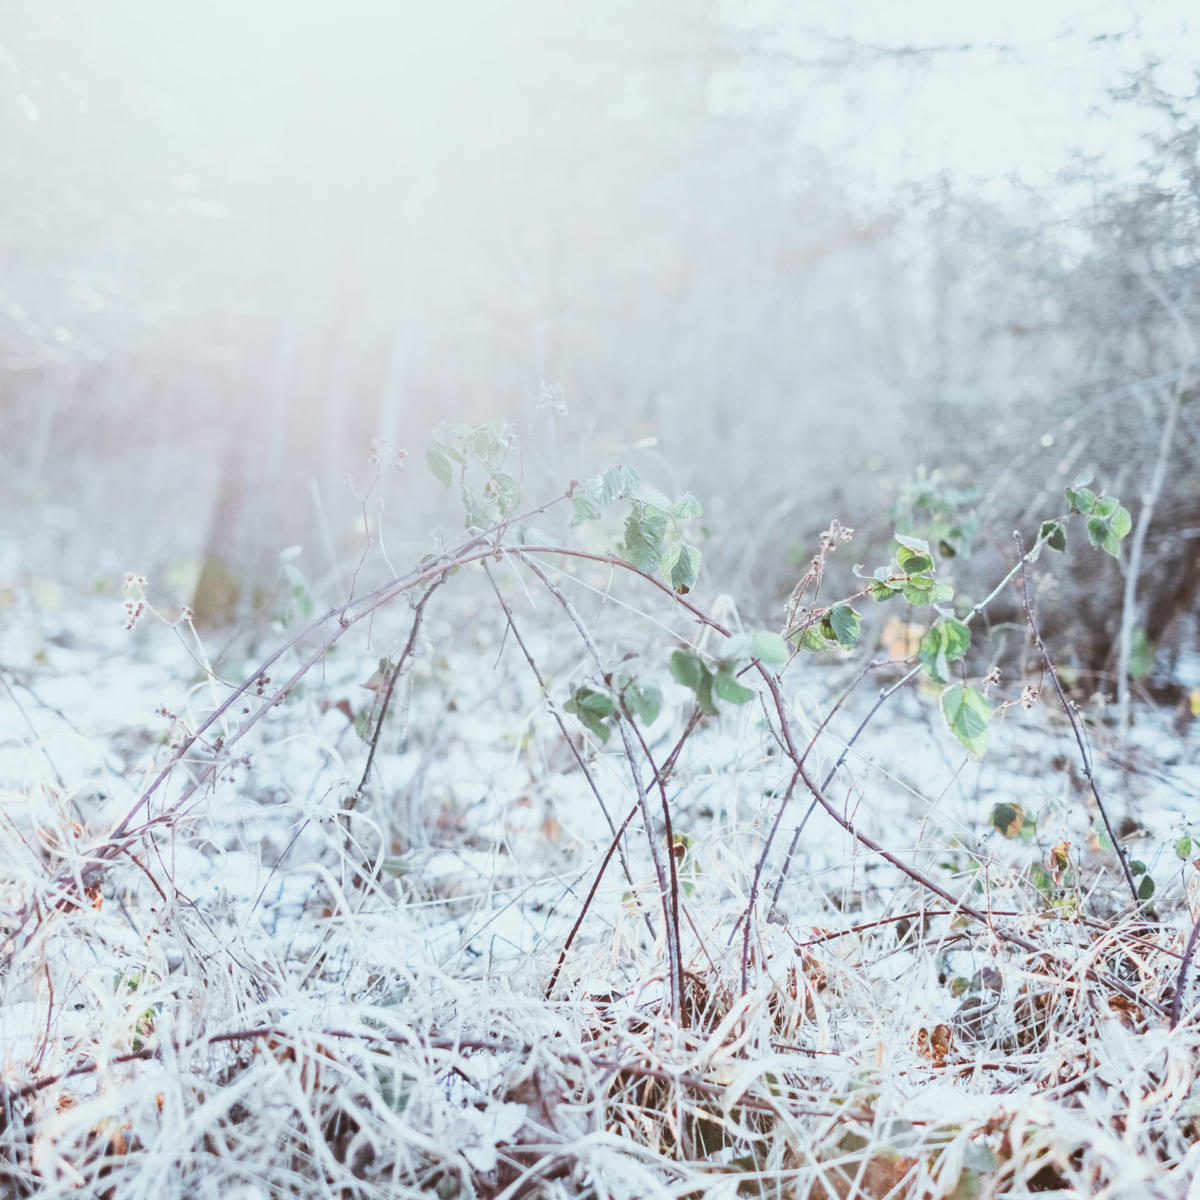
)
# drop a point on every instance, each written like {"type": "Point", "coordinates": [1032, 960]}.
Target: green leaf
{"type": "Point", "coordinates": [617, 483]}
{"type": "Point", "coordinates": [967, 713]}
{"type": "Point", "coordinates": [596, 702]}
{"type": "Point", "coordinates": [591, 707]}
{"type": "Point", "coordinates": [913, 563]}
{"type": "Point", "coordinates": [505, 490]}
{"type": "Point", "coordinates": [920, 582]}
{"type": "Point", "coordinates": [591, 722]}
{"type": "Point", "coordinates": [1183, 848]}
{"type": "Point", "coordinates": [844, 622]}
{"type": "Point", "coordinates": [704, 694]}
{"type": "Point", "coordinates": [932, 656]}
{"type": "Point", "coordinates": [915, 544]}
{"type": "Point", "coordinates": [957, 637]}
{"type": "Point", "coordinates": [681, 565]}
{"type": "Point", "coordinates": [1121, 522]}
{"type": "Point", "coordinates": [651, 497]}
{"type": "Point", "coordinates": [1054, 533]}
{"type": "Point", "coordinates": [1082, 500]}
{"type": "Point", "coordinates": [490, 443]}
{"type": "Point", "coordinates": [1145, 888]}
{"type": "Point", "coordinates": [686, 507]}
{"type": "Point", "coordinates": [810, 639]}
{"type": "Point", "coordinates": [644, 532]}
{"type": "Point", "coordinates": [644, 702]}
{"type": "Point", "coordinates": [686, 669]}
{"type": "Point", "coordinates": [768, 647]}
{"type": "Point", "coordinates": [587, 503]}
{"type": "Point", "coordinates": [918, 592]}
{"type": "Point", "coordinates": [593, 497]}
{"type": "Point", "coordinates": [439, 464]}
{"type": "Point", "coordinates": [728, 688]}
{"type": "Point", "coordinates": [946, 641]}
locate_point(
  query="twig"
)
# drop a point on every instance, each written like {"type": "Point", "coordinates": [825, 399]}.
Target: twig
{"type": "Point", "coordinates": [794, 753]}
{"type": "Point", "coordinates": [327, 629]}
{"type": "Point", "coordinates": [884, 695]}
{"type": "Point", "coordinates": [556, 713]}
{"type": "Point", "coordinates": [752, 900]}
{"type": "Point", "coordinates": [618, 834]}
{"type": "Point", "coordinates": [1137, 544]}
{"type": "Point", "coordinates": [674, 951]}
{"type": "Point", "coordinates": [663, 773]}
{"type": "Point", "coordinates": [1189, 352]}
{"type": "Point", "coordinates": [37, 737]}
{"type": "Point", "coordinates": [658, 780]}
{"type": "Point", "coordinates": [393, 677]}
{"type": "Point", "coordinates": [1181, 979]}
{"type": "Point", "coordinates": [1069, 708]}
{"type": "Point", "coordinates": [279, 1035]}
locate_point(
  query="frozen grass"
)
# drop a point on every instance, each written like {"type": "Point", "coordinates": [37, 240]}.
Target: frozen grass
{"type": "Point", "coordinates": [279, 973]}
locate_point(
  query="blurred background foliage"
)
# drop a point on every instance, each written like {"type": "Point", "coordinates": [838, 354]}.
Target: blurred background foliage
{"type": "Point", "coordinates": [243, 241]}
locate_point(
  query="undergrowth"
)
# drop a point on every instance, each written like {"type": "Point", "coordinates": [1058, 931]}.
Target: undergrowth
{"type": "Point", "coordinates": [532, 872]}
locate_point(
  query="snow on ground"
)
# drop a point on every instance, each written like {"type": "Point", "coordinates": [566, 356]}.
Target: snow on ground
{"type": "Point", "coordinates": [280, 946]}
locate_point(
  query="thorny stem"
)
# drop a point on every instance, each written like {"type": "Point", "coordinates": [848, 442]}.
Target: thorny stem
{"type": "Point", "coordinates": [1188, 951]}
{"type": "Point", "coordinates": [393, 678]}
{"type": "Point", "coordinates": [618, 834]}
{"type": "Point", "coordinates": [912, 872]}
{"type": "Point", "coordinates": [884, 695]}
{"type": "Point", "coordinates": [659, 780]}
{"type": "Point", "coordinates": [1069, 708]}
{"type": "Point", "coordinates": [71, 883]}
{"type": "Point", "coordinates": [663, 773]}
{"type": "Point", "coordinates": [674, 950]}
{"type": "Point", "coordinates": [793, 753]}
{"type": "Point", "coordinates": [747, 922]}
{"type": "Point", "coordinates": [556, 713]}
{"type": "Point", "coordinates": [361, 871]}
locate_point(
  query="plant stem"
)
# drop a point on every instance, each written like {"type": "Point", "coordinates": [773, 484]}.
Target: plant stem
{"type": "Point", "coordinates": [674, 949]}
{"type": "Point", "coordinates": [1069, 708]}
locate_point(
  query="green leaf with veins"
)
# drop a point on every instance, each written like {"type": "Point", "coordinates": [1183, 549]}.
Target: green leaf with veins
{"type": "Point", "coordinates": [967, 713]}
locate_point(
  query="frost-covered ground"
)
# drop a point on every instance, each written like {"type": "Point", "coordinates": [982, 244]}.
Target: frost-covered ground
{"type": "Point", "coordinates": [291, 980]}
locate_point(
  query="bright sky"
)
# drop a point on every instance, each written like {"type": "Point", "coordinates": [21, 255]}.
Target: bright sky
{"type": "Point", "coordinates": [1016, 90]}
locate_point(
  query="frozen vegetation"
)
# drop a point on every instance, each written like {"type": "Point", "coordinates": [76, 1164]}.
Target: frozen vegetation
{"type": "Point", "coordinates": [736, 808]}
{"type": "Point", "coordinates": [341, 912]}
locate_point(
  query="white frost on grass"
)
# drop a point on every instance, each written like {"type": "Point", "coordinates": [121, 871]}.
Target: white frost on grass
{"type": "Point", "coordinates": [288, 986]}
